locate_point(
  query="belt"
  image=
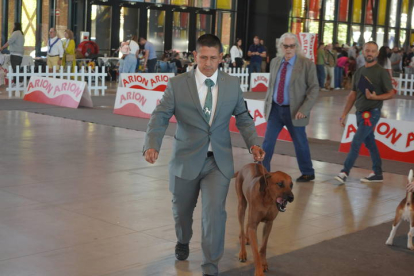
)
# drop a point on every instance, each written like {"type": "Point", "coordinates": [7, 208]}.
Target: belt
{"type": "Point", "coordinates": [210, 154]}
{"type": "Point", "coordinates": [285, 105]}
{"type": "Point", "coordinates": [53, 56]}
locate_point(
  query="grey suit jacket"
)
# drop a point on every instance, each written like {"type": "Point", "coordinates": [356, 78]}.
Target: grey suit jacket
{"type": "Point", "coordinates": [193, 132]}
{"type": "Point", "coordinates": [303, 89]}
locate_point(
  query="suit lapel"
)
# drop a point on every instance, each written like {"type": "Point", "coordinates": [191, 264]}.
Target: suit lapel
{"type": "Point", "coordinates": [192, 87]}
{"type": "Point", "coordinates": [220, 95]}
{"type": "Point", "coordinates": [274, 75]}
{"type": "Point", "coordinates": [297, 68]}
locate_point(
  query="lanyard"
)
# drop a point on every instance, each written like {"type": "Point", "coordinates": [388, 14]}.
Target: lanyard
{"type": "Point", "coordinates": [53, 44]}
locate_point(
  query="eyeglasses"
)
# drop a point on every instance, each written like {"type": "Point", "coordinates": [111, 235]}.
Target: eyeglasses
{"type": "Point", "coordinates": [292, 46]}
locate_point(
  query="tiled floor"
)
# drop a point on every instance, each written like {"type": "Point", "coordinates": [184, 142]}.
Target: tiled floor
{"type": "Point", "coordinates": [79, 199]}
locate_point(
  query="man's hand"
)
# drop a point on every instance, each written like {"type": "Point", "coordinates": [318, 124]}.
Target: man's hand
{"type": "Point", "coordinates": [369, 95]}
{"type": "Point", "coordinates": [299, 115]}
{"type": "Point", "coordinates": [258, 153]}
{"type": "Point", "coordinates": [342, 120]}
{"type": "Point", "coordinates": [151, 155]}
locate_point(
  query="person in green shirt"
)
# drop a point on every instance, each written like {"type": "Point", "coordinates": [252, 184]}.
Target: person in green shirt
{"type": "Point", "coordinates": [320, 66]}
{"type": "Point", "coordinates": [368, 106]}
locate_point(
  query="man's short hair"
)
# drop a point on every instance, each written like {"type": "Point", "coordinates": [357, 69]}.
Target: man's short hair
{"type": "Point", "coordinates": [209, 40]}
{"type": "Point", "coordinates": [371, 42]}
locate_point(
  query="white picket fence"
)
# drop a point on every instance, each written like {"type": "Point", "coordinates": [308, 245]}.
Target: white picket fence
{"type": "Point", "coordinates": [95, 78]}
{"type": "Point", "coordinates": [405, 84]}
{"type": "Point", "coordinates": [241, 73]}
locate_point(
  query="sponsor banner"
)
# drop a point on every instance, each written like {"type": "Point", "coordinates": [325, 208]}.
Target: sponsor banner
{"type": "Point", "coordinates": [256, 110]}
{"type": "Point", "coordinates": [259, 82]}
{"type": "Point", "coordinates": [309, 45]}
{"type": "Point", "coordinates": [146, 81]}
{"type": "Point", "coordinates": [137, 102]}
{"type": "Point", "coordinates": [395, 139]}
{"type": "Point", "coordinates": [395, 82]}
{"type": "Point", "coordinates": [67, 93]}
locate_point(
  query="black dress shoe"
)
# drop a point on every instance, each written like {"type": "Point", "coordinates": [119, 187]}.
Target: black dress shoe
{"type": "Point", "coordinates": [182, 251]}
{"type": "Point", "coordinates": [306, 178]}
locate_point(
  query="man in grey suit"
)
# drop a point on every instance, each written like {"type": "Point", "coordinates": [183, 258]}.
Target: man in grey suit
{"type": "Point", "coordinates": [203, 101]}
{"type": "Point", "coordinates": [293, 90]}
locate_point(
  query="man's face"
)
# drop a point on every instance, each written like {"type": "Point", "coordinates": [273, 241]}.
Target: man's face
{"type": "Point", "coordinates": [52, 32]}
{"type": "Point", "coordinates": [289, 47]}
{"type": "Point", "coordinates": [141, 42]}
{"type": "Point", "coordinates": [256, 40]}
{"type": "Point", "coordinates": [261, 41]}
{"type": "Point", "coordinates": [208, 59]}
{"type": "Point", "coordinates": [395, 50]}
{"type": "Point", "coordinates": [370, 52]}
{"type": "Point", "coordinates": [329, 47]}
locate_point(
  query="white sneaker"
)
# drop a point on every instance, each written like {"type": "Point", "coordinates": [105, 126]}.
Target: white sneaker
{"type": "Point", "coordinates": [341, 177]}
{"type": "Point", "coordinates": [337, 88]}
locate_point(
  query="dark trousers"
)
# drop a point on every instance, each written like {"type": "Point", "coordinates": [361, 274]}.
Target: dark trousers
{"type": "Point", "coordinates": [339, 73]}
{"type": "Point", "coordinates": [320, 70]}
{"type": "Point", "coordinates": [278, 118]}
{"type": "Point", "coordinates": [15, 61]}
{"type": "Point", "coordinates": [151, 64]}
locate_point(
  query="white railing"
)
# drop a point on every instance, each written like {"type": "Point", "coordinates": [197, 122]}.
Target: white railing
{"type": "Point", "coordinates": [241, 73]}
{"type": "Point", "coordinates": [405, 84]}
{"type": "Point", "coordinates": [95, 78]}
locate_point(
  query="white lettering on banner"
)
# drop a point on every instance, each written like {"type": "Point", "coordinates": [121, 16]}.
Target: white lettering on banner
{"type": "Point", "coordinates": [134, 96]}
{"type": "Point", "coordinates": [394, 137]}
{"type": "Point", "coordinates": [308, 42]}
{"type": "Point", "coordinates": [259, 82]}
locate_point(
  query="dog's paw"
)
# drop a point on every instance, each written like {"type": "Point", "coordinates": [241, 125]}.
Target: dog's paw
{"type": "Point", "coordinates": [265, 268]}
{"type": "Point", "coordinates": [242, 257]}
{"type": "Point", "coordinates": [411, 247]}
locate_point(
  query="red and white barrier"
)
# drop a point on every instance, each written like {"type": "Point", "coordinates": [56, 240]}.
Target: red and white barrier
{"type": "Point", "coordinates": [67, 93]}
{"type": "Point", "coordinates": [259, 82]}
{"type": "Point", "coordinates": [309, 43]}
{"type": "Point", "coordinates": [395, 139]}
{"type": "Point", "coordinates": [146, 81]}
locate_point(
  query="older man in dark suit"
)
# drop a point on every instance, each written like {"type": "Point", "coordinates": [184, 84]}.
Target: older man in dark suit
{"type": "Point", "coordinates": [292, 93]}
{"type": "Point", "coordinates": [203, 101]}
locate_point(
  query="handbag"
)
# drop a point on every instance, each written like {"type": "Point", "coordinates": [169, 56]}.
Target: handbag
{"type": "Point", "coordinates": [70, 58]}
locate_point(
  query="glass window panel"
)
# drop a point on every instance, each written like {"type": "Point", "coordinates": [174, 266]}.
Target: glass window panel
{"type": "Point", "coordinates": [202, 3]}
{"type": "Point", "coordinates": [402, 37]}
{"type": "Point", "coordinates": [328, 33]}
{"type": "Point", "coordinates": [45, 26]}
{"type": "Point", "coordinates": [203, 25]}
{"type": "Point", "coordinates": [156, 30]}
{"type": "Point", "coordinates": [224, 4]}
{"type": "Point", "coordinates": [391, 38]}
{"type": "Point", "coordinates": [343, 10]}
{"type": "Point", "coordinates": [225, 30]}
{"type": "Point", "coordinates": [61, 17]}
{"type": "Point", "coordinates": [368, 34]}
{"type": "Point", "coordinates": [380, 37]}
{"type": "Point", "coordinates": [369, 13]}
{"type": "Point", "coordinates": [298, 8]}
{"type": "Point", "coordinates": [330, 10]}
{"type": "Point", "coordinates": [11, 17]}
{"type": "Point", "coordinates": [356, 15]}
{"type": "Point", "coordinates": [156, 1]}
{"type": "Point", "coordinates": [101, 27]}
{"type": "Point", "coordinates": [314, 26]}
{"type": "Point", "coordinates": [342, 31]}
{"type": "Point", "coordinates": [297, 25]}
{"type": "Point", "coordinates": [29, 25]}
{"type": "Point", "coordinates": [129, 23]}
{"type": "Point", "coordinates": [314, 8]}
{"type": "Point", "coordinates": [404, 13]}
{"type": "Point", "coordinates": [181, 21]}
{"type": "Point", "coordinates": [382, 11]}
{"type": "Point", "coordinates": [355, 33]}
{"type": "Point", "coordinates": [1, 20]}
{"type": "Point", "coordinates": [393, 13]}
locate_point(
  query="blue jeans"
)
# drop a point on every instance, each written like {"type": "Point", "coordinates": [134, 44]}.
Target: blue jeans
{"type": "Point", "coordinates": [339, 72]}
{"type": "Point", "coordinates": [320, 70]}
{"type": "Point", "coordinates": [365, 134]}
{"type": "Point", "coordinates": [278, 118]}
{"type": "Point", "coordinates": [255, 67]}
{"type": "Point", "coordinates": [128, 64]}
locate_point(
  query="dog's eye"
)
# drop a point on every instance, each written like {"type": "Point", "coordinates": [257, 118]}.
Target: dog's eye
{"type": "Point", "coordinates": [281, 185]}
{"type": "Point", "coordinates": [291, 185]}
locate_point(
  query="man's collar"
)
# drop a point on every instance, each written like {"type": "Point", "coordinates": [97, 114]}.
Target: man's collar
{"type": "Point", "coordinates": [291, 61]}
{"type": "Point", "coordinates": [202, 78]}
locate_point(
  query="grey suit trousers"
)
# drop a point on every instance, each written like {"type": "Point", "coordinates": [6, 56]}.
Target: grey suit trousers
{"type": "Point", "coordinates": [214, 187]}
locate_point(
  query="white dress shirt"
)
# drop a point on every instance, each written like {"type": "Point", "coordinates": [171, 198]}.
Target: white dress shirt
{"type": "Point", "coordinates": [235, 52]}
{"type": "Point", "coordinates": [202, 92]}
{"type": "Point", "coordinates": [57, 49]}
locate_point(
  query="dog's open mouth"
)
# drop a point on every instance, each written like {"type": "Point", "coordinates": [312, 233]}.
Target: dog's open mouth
{"type": "Point", "coordinates": [281, 204]}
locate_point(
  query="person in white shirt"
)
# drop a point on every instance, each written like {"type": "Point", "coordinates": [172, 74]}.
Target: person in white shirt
{"type": "Point", "coordinates": [16, 46]}
{"type": "Point", "coordinates": [236, 54]}
{"type": "Point", "coordinates": [55, 50]}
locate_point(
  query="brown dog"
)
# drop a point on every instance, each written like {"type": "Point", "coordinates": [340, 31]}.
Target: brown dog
{"type": "Point", "coordinates": [405, 211]}
{"type": "Point", "coordinates": [267, 194]}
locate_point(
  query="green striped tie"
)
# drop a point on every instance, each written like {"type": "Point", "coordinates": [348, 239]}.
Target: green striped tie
{"type": "Point", "coordinates": [208, 105]}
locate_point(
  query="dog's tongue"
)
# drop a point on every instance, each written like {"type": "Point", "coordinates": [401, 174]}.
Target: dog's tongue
{"type": "Point", "coordinates": [279, 200]}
